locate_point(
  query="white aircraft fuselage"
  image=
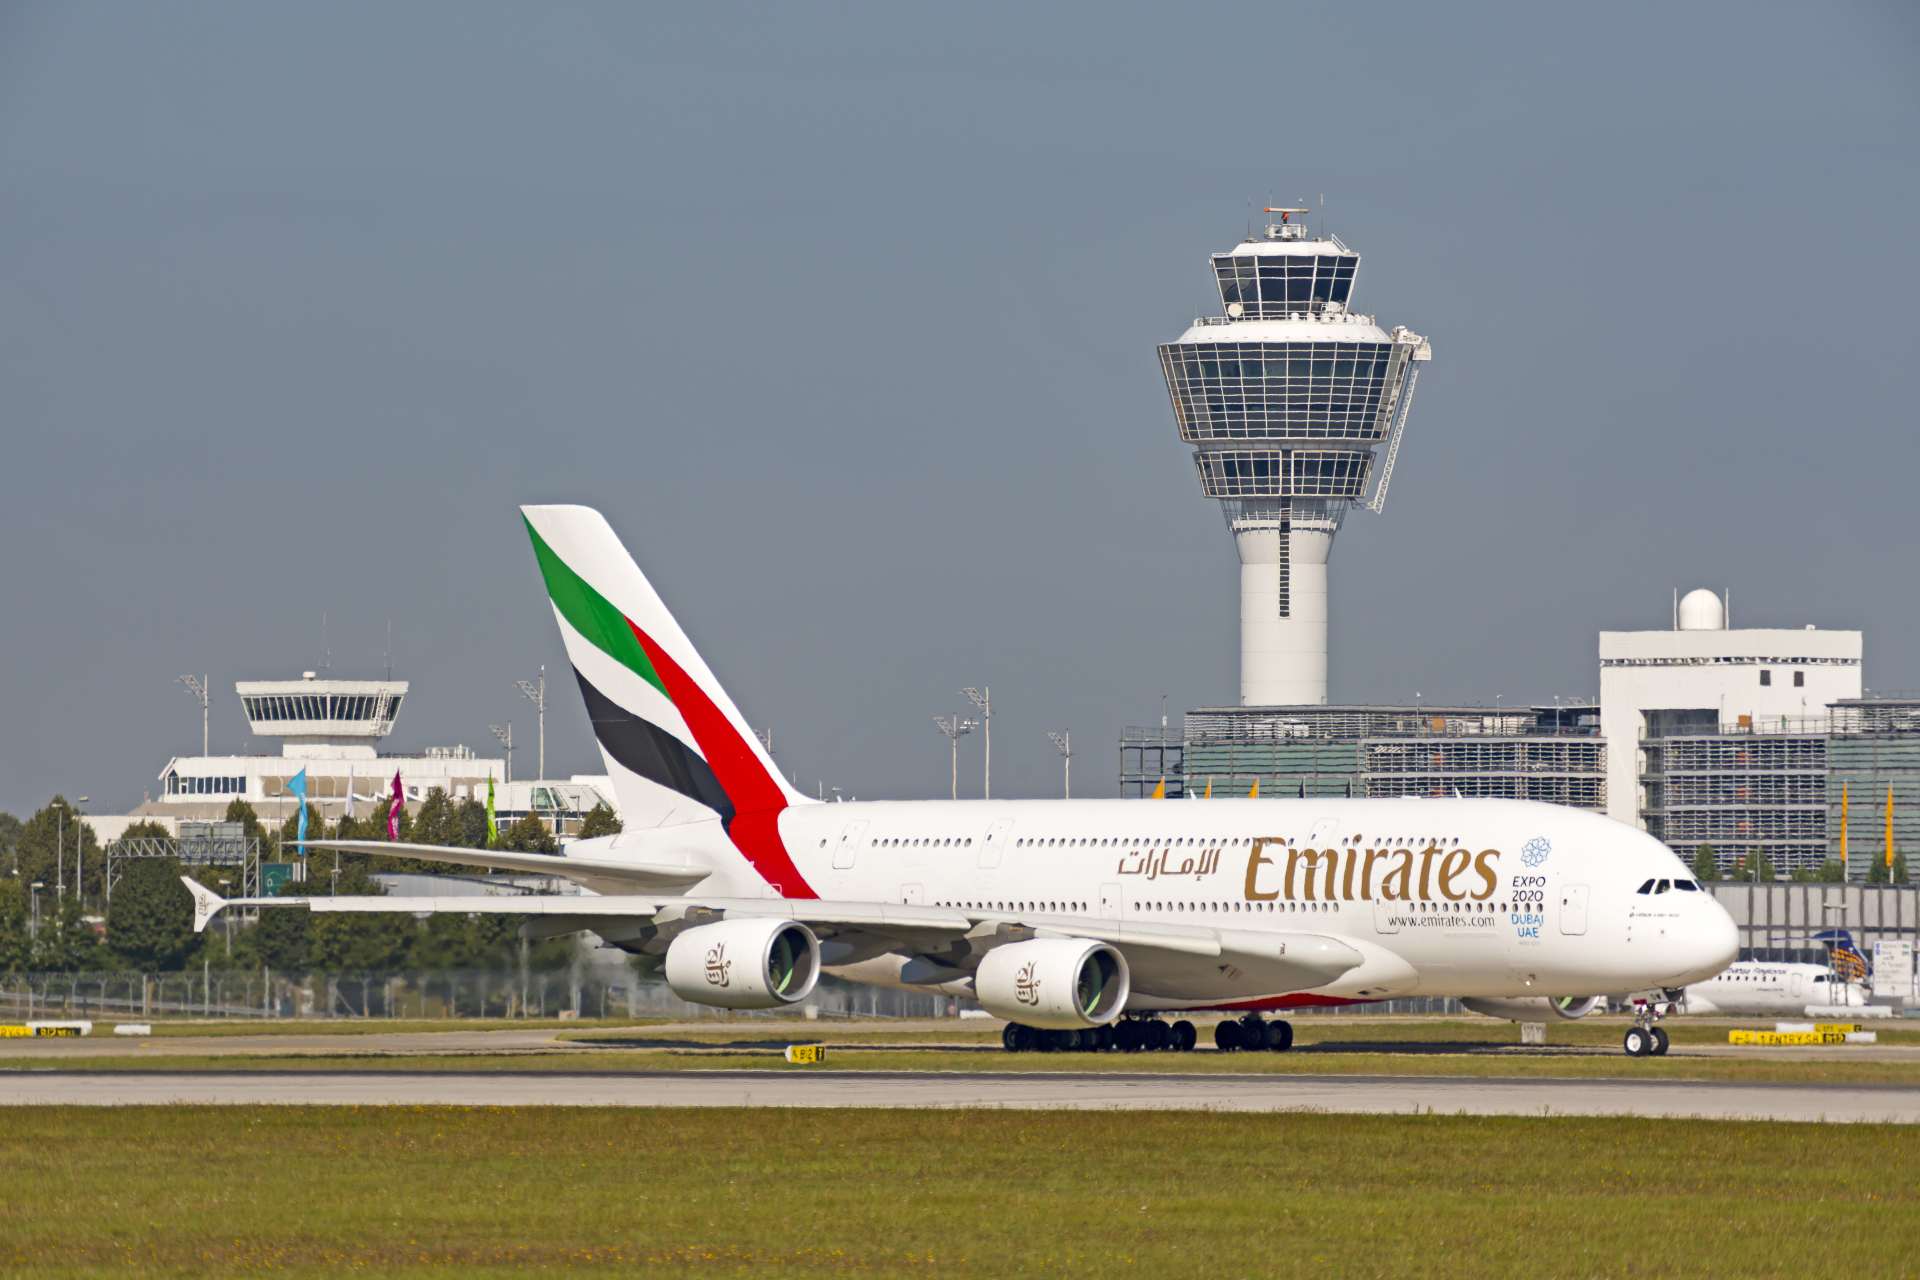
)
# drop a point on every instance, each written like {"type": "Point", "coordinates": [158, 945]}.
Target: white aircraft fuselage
{"type": "Point", "coordinates": [1439, 897]}
{"type": "Point", "coordinates": [1760, 988]}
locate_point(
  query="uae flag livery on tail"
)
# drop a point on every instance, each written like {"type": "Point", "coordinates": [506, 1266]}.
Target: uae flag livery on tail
{"type": "Point", "coordinates": [675, 746]}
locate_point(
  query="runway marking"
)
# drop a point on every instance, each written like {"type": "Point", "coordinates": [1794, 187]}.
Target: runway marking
{"type": "Point", "coordinates": [1382, 1095]}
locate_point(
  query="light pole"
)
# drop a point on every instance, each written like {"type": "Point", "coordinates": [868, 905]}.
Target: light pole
{"type": "Point", "coordinates": [226, 884]}
{"type": "Point", "coordinates": [1063, 743]}
{"type": "Point", "coordinates": [79, 851]}
{"type": "Point", "coordinates": [198, 686]}
{"type": "Point", "coordinates": [504, 732]}
{"type": "Point", "coordinates": [955, 728]}
{"type": "Point", "coordinates": [34, 930]}
{"type": "Point", "coordinates": [536, 691]}
{"type": "Point", "coordinates": [983, 699]}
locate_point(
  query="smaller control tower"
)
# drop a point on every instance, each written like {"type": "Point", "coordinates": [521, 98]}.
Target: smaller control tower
{"type": "Point", "coordinates": [1284, 398]}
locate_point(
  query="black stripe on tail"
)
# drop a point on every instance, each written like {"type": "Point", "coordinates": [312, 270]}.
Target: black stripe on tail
{"type": "Point", "coordinates": [651, 751]}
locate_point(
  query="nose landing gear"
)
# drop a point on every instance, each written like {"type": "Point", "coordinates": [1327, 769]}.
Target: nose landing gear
{"type": "Point", "coordinates": [1646, 1038]}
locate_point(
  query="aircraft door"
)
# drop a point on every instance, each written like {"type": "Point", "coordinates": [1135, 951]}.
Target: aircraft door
{"type": "Point", "coordinates": [1110, 901]}
{"type": "Point", "coordinates": [995, 843]}
{"type": "Point", "coordinates": [1797, 985]}
{"type": "Point", "coordinates": [850, 837]}
{"type": "Point", "coordinates": [1383, 916]}
{"type": "Point", "coordinates": [1573, 909]}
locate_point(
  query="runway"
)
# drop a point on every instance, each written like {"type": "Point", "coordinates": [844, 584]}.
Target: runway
{"type": "Point", "coordinates": [1376, 1095]}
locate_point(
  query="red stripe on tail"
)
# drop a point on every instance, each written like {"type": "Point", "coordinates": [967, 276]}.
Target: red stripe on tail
{"type": "Point", "coordinates": [757, 797]}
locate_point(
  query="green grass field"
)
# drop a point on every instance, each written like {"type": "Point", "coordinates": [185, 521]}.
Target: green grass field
{"type": "Point", "coordinates": [392, 1191]}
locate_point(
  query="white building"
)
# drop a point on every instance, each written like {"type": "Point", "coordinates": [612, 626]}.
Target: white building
{"type": "Point", "coordinates": [1702, 677]}
{"type": "Point", "coordinates": [331, 729]}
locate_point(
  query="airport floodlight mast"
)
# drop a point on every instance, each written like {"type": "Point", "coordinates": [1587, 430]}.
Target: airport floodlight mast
{"type": "Point", "coordinates": [198, 686]}
{"type": "Point", "coordinates": [1284, 399]}
{"type": "Point", "coordinates": [504, 732]}
{"type": "Point", "coordinates": [1063, 743]}
{"type": "Point", "coordinates": [983, 699]}
{"type": "Point", "coordinates": [955, 728]}
{"type": "Point", "coordinates": [536, 691]}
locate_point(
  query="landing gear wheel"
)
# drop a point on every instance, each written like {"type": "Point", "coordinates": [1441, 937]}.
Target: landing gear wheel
{"type": "Point", "coordinates": [1184, 1037]}
{"type": "Point", "coordinates": [1159, 1035]}
{"type": "Point", "coordinates": [1126, 1037]}
{"type": "Point", "coordinates": [1010, 1037]}
{"type": "Point", "coordinates": [1226, 1036]}
{"type": "Point", "coordinates": [1637, 1043]}
{"type": "Point", "coordinates": [1660, 1041]}
{"type": "Point", "coordinates": [1103, 1038]}
{"type": "Point", "coordinates": [1279, 1036]}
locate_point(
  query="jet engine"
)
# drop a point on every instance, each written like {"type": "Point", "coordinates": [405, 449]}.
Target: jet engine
{"type": "Point", "coordinates": [744, 964]}
{"type": "Point", "coordinates": [1062, 983]}
{"type": "Point", "coordinates": [1534, 1008]}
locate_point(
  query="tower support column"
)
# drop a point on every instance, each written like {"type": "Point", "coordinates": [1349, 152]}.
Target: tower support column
{"type": "Point", "coordinates": [1283, 613]}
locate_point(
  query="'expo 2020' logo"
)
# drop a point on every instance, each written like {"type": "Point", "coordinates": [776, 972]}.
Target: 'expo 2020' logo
{"type": "Point", "coordinates": [1535, 851]}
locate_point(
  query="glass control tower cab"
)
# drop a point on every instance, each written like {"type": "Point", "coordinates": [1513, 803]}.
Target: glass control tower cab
{"type": "Point", "coordinates": [1285, 399]}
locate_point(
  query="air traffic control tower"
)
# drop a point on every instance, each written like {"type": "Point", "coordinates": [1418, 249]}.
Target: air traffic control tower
{"type": "Point", "coordinates": [1284, 399]}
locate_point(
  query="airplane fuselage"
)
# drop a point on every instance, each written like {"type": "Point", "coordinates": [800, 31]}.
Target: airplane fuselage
{"type": "Point", "coordinates": [1446, 897]}
{"type": "Point", "coordinates": [1761, 988]}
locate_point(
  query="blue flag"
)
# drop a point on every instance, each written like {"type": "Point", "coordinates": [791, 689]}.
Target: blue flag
{"type": "Point", "coordinates": [298, 786]}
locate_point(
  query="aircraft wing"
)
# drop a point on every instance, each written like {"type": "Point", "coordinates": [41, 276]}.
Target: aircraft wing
{"type": "Point", "coordinates": [605, 875]}
{"type": "Point", "coordinates": [1162, 953]}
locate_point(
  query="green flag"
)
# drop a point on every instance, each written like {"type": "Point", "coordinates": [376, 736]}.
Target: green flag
{"type": "Point", "coordinates": [493, 830]}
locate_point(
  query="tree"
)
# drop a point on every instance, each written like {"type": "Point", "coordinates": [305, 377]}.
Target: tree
{"type": "Point", "coordinates": [46, 843]}
{"type": "Point", "coordinates": [529, 835]}
{"type": "Point", "coordinates": [339, 943]}
{"type": "Point", "coordinates": [279, 939]}
{"type": "Point", "coordinates": [600, 821]}
{"type": "Point", "coordinates": [150, 924]}
{"type": "Point", "coordinates": [469, 828]}
{"type": "Point", "coordinates": [238, 810]}
{"type": "Point", "coordinates": [1878, 874]}
{"type": "Point", "coordinates": [1706, 865]}
{"type": "Point", "coordinates": [1756, 866]}
{"type": "Point", "coordinates": [1832, 871]}
{"type": "Point", "coordinates": [67, 943]}
{"type": "Point", "coordinates": [9, 838]}
{"type": "Point", "coordinates": [433, 821]}
{"type": "Point", "coordinates": [16, 941]}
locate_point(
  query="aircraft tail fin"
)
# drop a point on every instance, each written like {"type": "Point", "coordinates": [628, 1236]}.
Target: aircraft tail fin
{"type": "Point", "coordinates": [676, 747]}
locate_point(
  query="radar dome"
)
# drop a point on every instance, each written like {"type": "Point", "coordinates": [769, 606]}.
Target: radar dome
{"type": "Point", "coordinates": [1701, 610]}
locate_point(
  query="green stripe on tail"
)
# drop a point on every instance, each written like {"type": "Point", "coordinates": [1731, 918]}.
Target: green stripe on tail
{"type": "Point", "coordinates": [592, 614]}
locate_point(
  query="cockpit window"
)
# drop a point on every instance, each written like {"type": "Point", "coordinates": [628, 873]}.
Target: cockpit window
{"type": "Point", "coordinates": [1687, 885]}
{"type": "Point", "coordinates": [1663, 886]}
{"type": "Point", "coordinates": [1645, 888]}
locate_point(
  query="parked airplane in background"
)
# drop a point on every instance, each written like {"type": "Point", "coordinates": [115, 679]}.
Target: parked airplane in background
{"type": "Point", "coordinates": [1080, 922]}
{"type": "Point", "coordinates": [1763, 988]}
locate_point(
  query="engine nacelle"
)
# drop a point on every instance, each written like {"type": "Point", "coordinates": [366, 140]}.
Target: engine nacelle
{"type": "Point", "coordinates": [1062, 983]}
{"type": "Point", "coordinates": [744, 964]}
{"type": "Point", "coordinates": [1534, 1008]}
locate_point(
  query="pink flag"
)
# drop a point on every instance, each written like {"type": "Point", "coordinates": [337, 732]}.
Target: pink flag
{"type": "Point", "coordinates": [393, 810]}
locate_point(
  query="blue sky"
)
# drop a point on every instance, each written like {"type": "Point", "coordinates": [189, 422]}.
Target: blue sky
{"type": "Point", "coordinates": [846, 314]}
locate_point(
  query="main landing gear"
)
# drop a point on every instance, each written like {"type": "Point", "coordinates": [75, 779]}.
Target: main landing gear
{"type": "Point", "coordinates": [1646, 1038]}
{"type": "Point", "coordinates": [1129, 1035]}
{"type": "Point", "coordinates": [1254, 1032]}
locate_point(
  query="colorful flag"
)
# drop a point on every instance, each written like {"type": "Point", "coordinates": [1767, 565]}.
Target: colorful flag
{"type": "Point", "coordinates": [349, 791]}
{"type": "Point", "coordinates": [298, 786]}
{"type": "Point", "coordinates": [393, 810]}
{"type": "Point", "coordinates": [493, 831]}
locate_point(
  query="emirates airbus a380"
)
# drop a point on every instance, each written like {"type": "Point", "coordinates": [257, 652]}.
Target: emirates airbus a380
{"type": "Point", "coordinates": [1080, 922]}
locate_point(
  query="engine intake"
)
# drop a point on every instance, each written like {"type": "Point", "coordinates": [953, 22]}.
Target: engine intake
{"type": "Point", "coordinates": [1062, 983]}
{"type": "Point", "coordinates": [1534, 1008]}
{"type": "Point", "coordinates": [744, 964]}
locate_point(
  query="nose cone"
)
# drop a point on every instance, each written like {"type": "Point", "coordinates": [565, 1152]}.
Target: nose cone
{"type": "Point", "coordinates": [1709, 943]}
